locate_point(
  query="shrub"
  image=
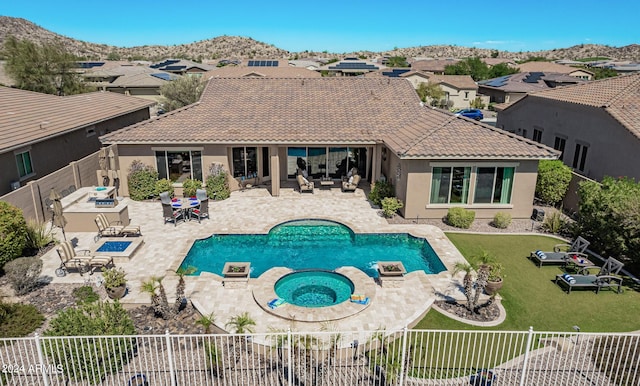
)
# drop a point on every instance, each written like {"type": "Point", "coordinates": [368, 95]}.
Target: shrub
{"type": "Point", "coordinates": [13, 232]}
{"type": "Point", "coordinates": [19, 319]}
{"type": "Point", "coordinates": [164, 185]}
{"type": "Point", "coordinates": [90, 358]}
{"type": "Point", "coordinates": [460, 217]}
{"type": "Point", "coordinates": [554, 222]}
{"type": "Point", "coordinates": [141, 181]}
{"type": "Point", "coordinates": [380, 191]}
{"type": "Point", "coordinates": [502, 220]}
{"type": "Point", "coordinates": [38, 236]}
{"type": "Point", "coordinates": [85, 294]}
{"type": "Point", "coordinates": [217, 183]}
{"type": "Point", "coordinates": [553, 181]}
{"type": "Point", "coordinates": [390, 206]}
{"type": "Point", "coordinates": [190, 186]}
{"type": "Point", "coordinates": [23, 273]}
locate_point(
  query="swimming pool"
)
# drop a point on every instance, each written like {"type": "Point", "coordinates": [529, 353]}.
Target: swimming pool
{"type": "Point", "coordinates": [312, 244]}
{"type": "Point", "coordinates": [314, 288]}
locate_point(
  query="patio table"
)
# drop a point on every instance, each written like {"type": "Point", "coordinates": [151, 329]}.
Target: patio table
{"type": "Point", "coordinates": [185, 205]}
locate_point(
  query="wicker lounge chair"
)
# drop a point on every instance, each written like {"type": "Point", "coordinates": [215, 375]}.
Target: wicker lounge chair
{"type": "Point", "coordinates": [561, 253]}
{"type": "Point", "coordinates": [69, 258]}
{"type": "Point", "coordinates": [607, 277]}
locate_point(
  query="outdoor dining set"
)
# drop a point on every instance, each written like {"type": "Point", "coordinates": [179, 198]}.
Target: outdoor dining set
{"type": "Point", "coordinates": [186, 208]}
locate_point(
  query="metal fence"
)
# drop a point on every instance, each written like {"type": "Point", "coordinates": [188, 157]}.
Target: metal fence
{"type": "Point", "coordinates": [406, 357]}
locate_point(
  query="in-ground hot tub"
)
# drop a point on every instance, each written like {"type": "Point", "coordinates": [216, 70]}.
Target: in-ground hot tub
{"type": "Point", "coordinates": [314, 288]}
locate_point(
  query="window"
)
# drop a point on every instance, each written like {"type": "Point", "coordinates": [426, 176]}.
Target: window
{"type": "Point", "coordinates": [23, 160]}
{"type": "Point", "coordinates": [333, 162]}
{"type": "Point", "coordinates": [524, 133]}
{"type": "Point", "coordinates": [450, 185]}
{"type": "Point", "coordinates": [494, 185]}
{"type": "Point", "coordinates": [245, 162]}
{"type": "Point", "coordinates": [580, 156]}
{"type": "Point", "coordinates": [91, 131]}
{"type": "Point", "coordinates": [559, 144]}
{"type": "Point", "coordinates": [537, 135]}
{"type": "Point", "coordinates": [466, 95]}
{"type": "Point", "coordinates": [179, 165]}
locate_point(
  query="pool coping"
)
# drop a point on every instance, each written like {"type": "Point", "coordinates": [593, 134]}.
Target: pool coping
{"type": "Point", "coordinates": [119, 257]}
{"type": "Point", "coordinates": [264, 292]}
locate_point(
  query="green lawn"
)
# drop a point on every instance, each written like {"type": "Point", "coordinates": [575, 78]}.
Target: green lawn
{"type": "Point", "coordinates": [531, 298]}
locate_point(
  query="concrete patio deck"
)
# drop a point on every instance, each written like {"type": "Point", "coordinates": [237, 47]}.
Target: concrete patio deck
{"type": "Point", "coordinates": [256, 211]}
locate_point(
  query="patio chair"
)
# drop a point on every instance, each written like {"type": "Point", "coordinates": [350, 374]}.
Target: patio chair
{"type": "Point", "coordinates": [606, 278]}
{"type": "Point", "coordinates": [108, 228]}
{"type": "Point", "coordinates": [201, 210]}
{"type": "Point", "coordinates": [561, 253]}
{"type": "Point", "coordinates": [351, 184]}
{"type": "Point", "coordinates": [69, 258]}
{"type": "Point", "coordinates": [304, 184]}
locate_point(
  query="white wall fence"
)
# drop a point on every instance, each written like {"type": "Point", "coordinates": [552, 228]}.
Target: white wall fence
{"type": "Point", "coordinates": [405, 357]}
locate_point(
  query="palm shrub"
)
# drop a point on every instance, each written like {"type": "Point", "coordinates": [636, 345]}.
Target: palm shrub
{"type": "Point", "coordinates": [23, 274]}
{"type": "Point", "coordinates": [217, 183]}
{"type": "Point", "coordinates": [390, 206]}
{"type": "Point", "coordinates": [554, 222]}
{"type": "Point", "coordinates": [502, 220]}
{"type": "Point", "coordinates": [553, 181]}
{"type": "Point", "coordinates": [190, 186]}
{"type": "Point", "coordinates": [460, 217]}
{"type": "Point", "coordinates": [164, 185]}
{"type": "Point", "coordinates": [89, 358]}
{"type": "Point", "coordinates": [381, 190]}
{"type": "Point", "coordinates": [13, 232]}
{"type": "Point", "coordinates": [141, 181]}
{"type": "Point", "coordinates": [241, 324]}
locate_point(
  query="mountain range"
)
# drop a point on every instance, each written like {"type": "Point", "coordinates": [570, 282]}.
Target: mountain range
{"type": "Point", "coordinates": [235, 47]}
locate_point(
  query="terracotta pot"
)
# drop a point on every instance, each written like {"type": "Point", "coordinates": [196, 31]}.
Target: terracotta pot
{"type": "Point", "coordinates": [493, 287]}
{"type": "Point", "coordinates": [116, 292]}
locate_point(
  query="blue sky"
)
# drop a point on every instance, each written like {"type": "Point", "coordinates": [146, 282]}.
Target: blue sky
{"type": "Point", "coordinates": [340, 26]}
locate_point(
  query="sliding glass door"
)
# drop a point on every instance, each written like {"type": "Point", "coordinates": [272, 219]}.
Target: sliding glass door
{"type": "Point", "coordinates": [333, 162]}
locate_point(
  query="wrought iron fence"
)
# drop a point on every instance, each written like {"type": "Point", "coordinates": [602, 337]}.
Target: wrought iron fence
{"type": "Point", "coordinates": [405, 357]}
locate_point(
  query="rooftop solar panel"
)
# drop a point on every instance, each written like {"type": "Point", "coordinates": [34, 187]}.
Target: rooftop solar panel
{"type": "Point", "coordinates": [162, 75]}
{"type": "Point", "coordinates": [533, 77]}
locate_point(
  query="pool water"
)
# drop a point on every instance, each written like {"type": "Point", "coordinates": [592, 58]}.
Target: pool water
{"type": "Point", "coordinates": [314, 288]}
{"type": "Point", "coordinates": [114, 246]}
{"type": "Point", "coordinates": [312, 244]}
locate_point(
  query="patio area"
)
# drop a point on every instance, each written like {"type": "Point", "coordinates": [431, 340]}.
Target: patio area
{"type": "Point", "coordinates": [255, 211]}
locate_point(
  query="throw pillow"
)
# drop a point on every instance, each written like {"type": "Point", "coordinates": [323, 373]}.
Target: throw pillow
{"type": "Point", "coordinates": [351, 180]}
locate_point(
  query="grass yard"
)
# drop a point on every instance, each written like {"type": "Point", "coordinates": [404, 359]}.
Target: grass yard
{"type": "Point", "coordinates": [531, 298]}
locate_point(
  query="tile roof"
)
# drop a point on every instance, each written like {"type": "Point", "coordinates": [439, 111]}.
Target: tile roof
{"type": "Point", "coordinates": [526, 82]}
{"type": "Point", "coordinates": [549, 67]}
{"type": "Point", "coordinates": [325, 110]}
{"type": "Point", "coordinates": [619, 96]}
{"type": "Point", "coordinates": [266, 72]}
{"type": "Point", "coordinates": [26, 117]}
{"type": "Point", "coordinates": [460, 82]}
{"type": "Point", "coordinates": [435, 65]}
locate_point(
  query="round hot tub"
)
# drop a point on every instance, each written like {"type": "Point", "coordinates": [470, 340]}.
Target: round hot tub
{"type": "Point", "coordinates": [314, 288]}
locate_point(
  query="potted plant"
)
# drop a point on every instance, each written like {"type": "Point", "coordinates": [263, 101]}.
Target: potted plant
{"type": "Point", "coordinates": [115, 282]}
{"type": "Point", "coordinates": [494, 280]}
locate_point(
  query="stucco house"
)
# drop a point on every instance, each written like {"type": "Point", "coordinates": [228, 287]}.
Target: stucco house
{"type": "Point", "coordinates": [459, 90]}
{"type": "Point", "coordinates": [510, 88]}
{"type": "Point", "coordinates": [595, 125]}
{"type": "Point", "coordinates": [265, 129]}
{"type": "Point", "coordinates": [40, 133]}
{"type": "Point", "coordinates": [551, 67]}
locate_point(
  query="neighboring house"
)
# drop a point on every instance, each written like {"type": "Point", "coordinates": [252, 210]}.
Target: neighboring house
{"type": "Point", "coordinates": [182, 67]}
{"type": "Point", "coordinates": [495, 61]}
{"type": "Point", "coordinates": [135, 80]}
{"type": "Point", "coordinates": [351, 67]}
{"type": "Point", "coordinates": [262, 72]}
{"type": "Point", "coordinates": [309, 64]}
{"type": "Point", "coordinates": [595, 125]}
{"type": "Point", "coordinates": [40, 133]}
{"type": "Point", "coordinates": [510, 88]}
{"type": "Point", "coordinates": [435, 66]}
{"type": "Point", "coordinates": [550, 67]}
{"type": "Point", "coordinates": [263, 130]}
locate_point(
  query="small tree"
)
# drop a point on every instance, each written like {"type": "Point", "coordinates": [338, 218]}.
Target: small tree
{"type": "Point", "coordinates": [553, 181]}
{"type": "Point", "coordinates": [13, 232]}
{"type": "Point", "coordinates": [429, 92]}
{"type": "Point", "coordinates": [181, 92]}
{"type": "Point", "coordinates": [474, 282]}
{"type": "Point", "coordinates": [217, 182]}
{"type": "Point", "coordinates": [142, 181]}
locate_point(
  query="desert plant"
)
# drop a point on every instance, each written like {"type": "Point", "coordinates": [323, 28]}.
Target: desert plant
{"type": "Point", "coordinates": [553, 181]}
{"type": "Point", "coordinates": [85, 294]}
{"type": "Point", "coordinates": [13, 232]}
{"type": "Point", "coordinates": [390, 206]}
{"type": "Point", "coordinates": [554, 222]}
{"type": "Point", "coordinates": [460, 217]}
{"type": "Point", "coordinates": [206, 321]}
{"type": "Point", "coordinates": [474, 282]}
{"type": "Point", "coordinates": [114, 277]}
{"type": "Point", "coordinates": [381, 190]}
{"type": "Point", "coordinates": [141, 181]}
{"type": "Point", "coordinates": [213, 360]}
{"type": "Point", "coordinates": [38, 236]}
{"type": "Point", "coordinates": [19, 319]}
{"type": "Point", "coordinates": [90, 358]}
{"type": "Point", "coordinates": [24, 274]}
{"type": "Point", "coordinates": [217, 183]}
{"type": "Point", "coordinates": [164, 185]}
{"type": "Point", "coordinates": [502, 220]}
{"type": "Point", "coordinates": [241, 323]}
{"type": "Point", "coordinates": [190, 186]}
{"type": "Point", "coordinates": [159, 301]}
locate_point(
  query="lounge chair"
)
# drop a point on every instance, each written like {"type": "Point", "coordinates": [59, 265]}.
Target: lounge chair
{"type": "Point", "coordinates": [350, 184]}
{"type": "Point", "coordinates": [69, 258]}
{"type": "Point", "coordinates": [561, 253]}
{"type": "Point", "coordinates": [108, 228]}
{"type": "Point", "coordinates": [607, 277]}
{"type": "Point", "coordinates": [304, 184]}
